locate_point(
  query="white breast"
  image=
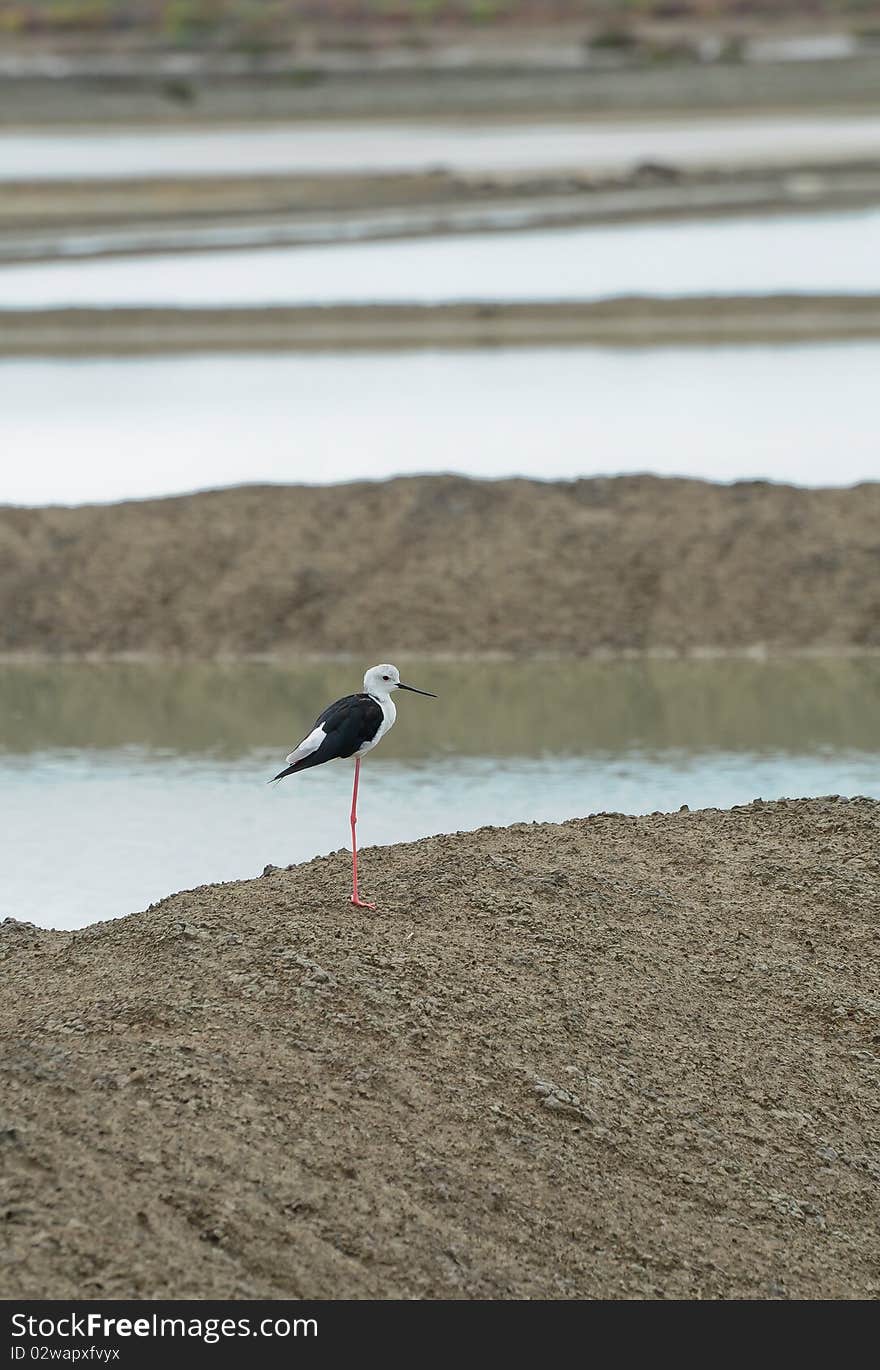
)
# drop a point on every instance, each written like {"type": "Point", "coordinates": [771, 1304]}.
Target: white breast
{"type": "Point", "coordinates": [389, 714]}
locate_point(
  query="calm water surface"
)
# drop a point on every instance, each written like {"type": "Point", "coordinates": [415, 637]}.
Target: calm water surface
{"type": "Point", "coordinates": [605, 145]}
{"type": "Point", "coordinates": [120, 784]}
{"type": "Point", "coordinates": [86, 431]}
{"type": "Point", "coordinates": [812, 254]}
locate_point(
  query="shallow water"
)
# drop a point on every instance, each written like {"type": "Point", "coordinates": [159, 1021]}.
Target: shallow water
{"type": "Point", "coordinates": [808, 254]}
{"type": "Point", "coordinates": [125, 429]}
{"type": "Point", "coordinates": [602, 145]}
{"type": "Point", "coordinates": [120, 784]}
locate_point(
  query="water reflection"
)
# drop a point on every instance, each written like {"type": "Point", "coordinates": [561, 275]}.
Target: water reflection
{"type": "Point", "coordinates": [121, 784]}
{"type": "Point", "coordinates": [532, 709]}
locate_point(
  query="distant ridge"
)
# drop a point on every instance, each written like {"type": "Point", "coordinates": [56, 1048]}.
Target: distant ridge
{"type": "Point", "coordinates": [439, 564]}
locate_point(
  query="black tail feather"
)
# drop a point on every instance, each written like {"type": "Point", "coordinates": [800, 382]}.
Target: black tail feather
{"type": "Point", "coordinates": [281, 774]}
{"type": "Point", "coordinates": [304, 764]}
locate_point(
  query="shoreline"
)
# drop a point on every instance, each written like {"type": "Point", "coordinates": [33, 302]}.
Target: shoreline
{"type": "Point", "coordinates": [756, 654]}
{"type": "Point", "coordinates": [452, 118]}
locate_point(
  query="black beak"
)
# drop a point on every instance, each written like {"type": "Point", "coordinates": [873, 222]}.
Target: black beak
{"type": "Point", "coordinates": [401, 686]}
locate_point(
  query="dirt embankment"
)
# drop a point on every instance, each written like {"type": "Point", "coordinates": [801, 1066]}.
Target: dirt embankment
{"type": "Point", "coordinates": [624, 322]}
{"type": "Point", "coordinates": [441, 564]}
{"type": "Point", "coordinates": [612, 1058]}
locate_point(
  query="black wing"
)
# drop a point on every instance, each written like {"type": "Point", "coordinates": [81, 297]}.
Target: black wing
{"type": "Point", "coordinates": [347, 725]}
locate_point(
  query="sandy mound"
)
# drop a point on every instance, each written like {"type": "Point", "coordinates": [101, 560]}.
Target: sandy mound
{"type": "Point", "coordinates": [617, 1057]}
{"type": "Point", "coordinates": [635, 563]}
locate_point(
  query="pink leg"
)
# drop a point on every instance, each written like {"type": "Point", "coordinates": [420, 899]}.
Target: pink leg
{"type": "Point", "coordinates": [354, 851]}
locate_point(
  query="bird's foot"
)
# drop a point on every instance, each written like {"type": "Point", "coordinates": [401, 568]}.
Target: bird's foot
{"type": "Point", "coordinates": [361, 903]}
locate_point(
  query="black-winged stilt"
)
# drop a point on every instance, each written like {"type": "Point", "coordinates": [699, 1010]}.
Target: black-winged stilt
{"type": "Point", "coordinates": [350, 727]}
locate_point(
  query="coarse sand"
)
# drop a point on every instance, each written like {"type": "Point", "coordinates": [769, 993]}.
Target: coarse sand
{"type": "Point", "coordinates": [616, 1057]}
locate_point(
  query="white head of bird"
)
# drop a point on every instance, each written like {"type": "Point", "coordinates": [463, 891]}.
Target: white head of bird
{"type": "Point", "coordinates": [380, 681]}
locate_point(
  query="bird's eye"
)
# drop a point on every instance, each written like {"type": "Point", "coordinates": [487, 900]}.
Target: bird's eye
{"type": "Point", "coordinates": [386, 677]}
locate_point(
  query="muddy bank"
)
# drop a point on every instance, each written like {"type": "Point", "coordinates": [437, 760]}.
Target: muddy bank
{"type": "Point", "coordinates": [615, 1058]}
{"type": "Point", "coordinates": [647, 191]}
{"type": "Point", "coordinates": [632, 564]}
{"type": "Point", "coordinates": [44, 220]}
{"type": "Point", "coordinates": [308, 89]}
{"type": "Point", "coordinates": [622, 322]}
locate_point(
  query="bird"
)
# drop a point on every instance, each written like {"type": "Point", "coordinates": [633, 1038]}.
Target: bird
{"type": "Point", "coordinates": [350, 727]}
